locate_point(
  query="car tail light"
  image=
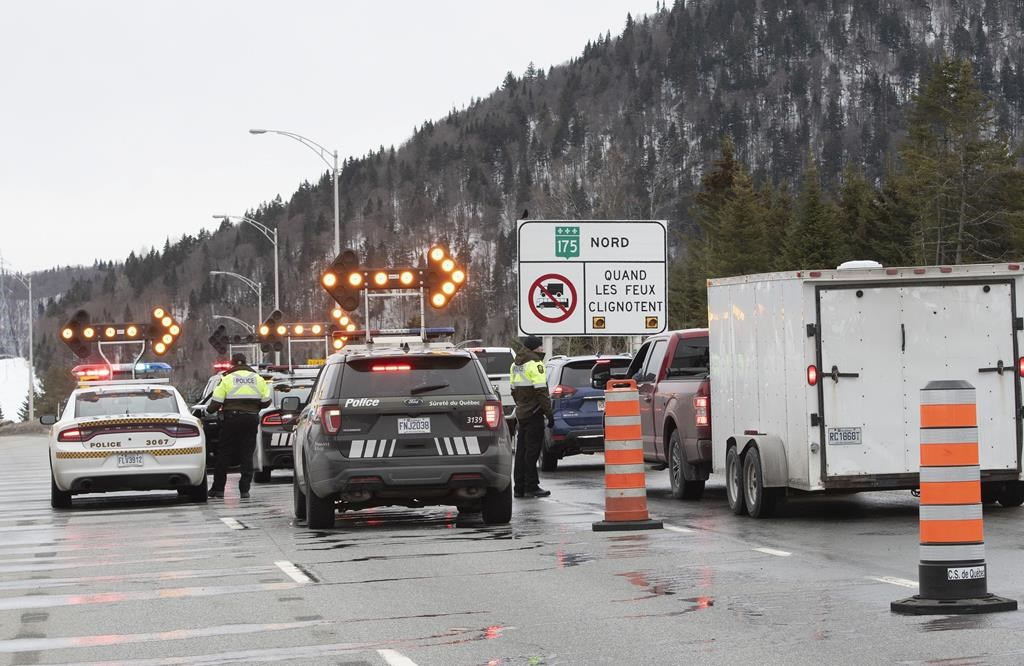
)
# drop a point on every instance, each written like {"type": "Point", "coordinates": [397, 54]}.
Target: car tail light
{"type": "Point", "coordinates": [272, 419]}
{"type": "Point", "coordinates": [331, 418]}
{"type": "Point", "coordinates": [393, 367]}
{"type": "Point", "coordinates": [182, 430]}
{"type": "Point", "coordinates": [364, 480]}
{"type": "Point", "coordinates": [71, 435]}
{"type": "Point", "coordinates": [467, 476]}
{"type": "Point", "coordinates": [492, 414]}
{"type": "Point", "coordinates": [812, 375]}
{"type": "Point", "coordinates": [562, 391]}
{"type": "Point", "coordinates": [701, 411]}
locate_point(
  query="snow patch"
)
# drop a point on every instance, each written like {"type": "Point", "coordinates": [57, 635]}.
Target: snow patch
{"type": "Point", "coordinates": [13, 386]}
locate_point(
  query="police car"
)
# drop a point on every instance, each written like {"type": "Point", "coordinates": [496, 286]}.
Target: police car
{"type": "Point", "coordinates": [273, 437]}
{"type": "Point", "coordinates": [406, 428]}
{"type": "Point", "coordinates": [124, 434]}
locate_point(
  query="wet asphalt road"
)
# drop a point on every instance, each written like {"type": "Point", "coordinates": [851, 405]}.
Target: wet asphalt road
{"type": "Point", "coordinates": [148, 579]}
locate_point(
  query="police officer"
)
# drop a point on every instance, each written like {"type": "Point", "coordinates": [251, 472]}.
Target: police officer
{"type": "Point", "coordinates": [533, 410]}
{"type": "Point", "coordinates": [241, 393]}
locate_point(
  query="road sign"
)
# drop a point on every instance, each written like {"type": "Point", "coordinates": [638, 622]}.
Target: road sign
{"type": "Point", "coordinates": [592, 277]}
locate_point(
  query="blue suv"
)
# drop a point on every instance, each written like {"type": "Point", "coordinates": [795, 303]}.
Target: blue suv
{"type": "Point", "coordinates": [578, 407]}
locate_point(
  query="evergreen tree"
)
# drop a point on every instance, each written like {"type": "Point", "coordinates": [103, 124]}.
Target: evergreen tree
{"type": "Point", "coordinates": [23, 412]}
{"type": "Point", "coordinates": [1, 413]}
{"type": "Point", "coordinates": [813, 240]}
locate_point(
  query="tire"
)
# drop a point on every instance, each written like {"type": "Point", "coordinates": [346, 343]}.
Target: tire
{"type": "Point", "coordinates": [198, 493]}
{"type": "Point", "coordinates": [548, 460]}
{"type": "Point", "coordinates": [1013, 494]}
{"type": "Point", "coordinates": [496, 507]}
{"type": "Point", "coordinates": [319, 512]}
{"type": "Point", "coordinates": [298, 499]}
{"type": "Point", "coordinates": [59, 499]}
{"type": "Point", "coordinates": [679, 470]}
{"type": "Point", "coordinates": [262, 476]}
{"type": "Point", "coordinates": [760, 501]}
{"type": "Point", "coordinates": [990, 492]}
{"type": "Point", "coordinates": [734, 482]}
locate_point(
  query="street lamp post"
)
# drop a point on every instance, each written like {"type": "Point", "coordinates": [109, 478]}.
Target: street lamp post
{"type": "Point", "coordinates": [27, 281]}
{"type": "Point", "coordinates": [271, 235]}
{"type": "Point", "coordinates": [322, 153]}
{"type": "Point", "coordinates": [252, 284]}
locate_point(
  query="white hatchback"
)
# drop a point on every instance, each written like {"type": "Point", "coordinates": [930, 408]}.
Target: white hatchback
{"type": "Point", "coordinates": [126, 435]}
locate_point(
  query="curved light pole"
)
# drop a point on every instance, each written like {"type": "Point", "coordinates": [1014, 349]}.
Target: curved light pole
{"type": "Point", "coordinates": [252, 284]}
{"type": "Point", "coordinates": [247, 326]}
{"type": "Point", "coordinates": [271, 235]}
{"type": "Point", "coordinates": [322, 153]}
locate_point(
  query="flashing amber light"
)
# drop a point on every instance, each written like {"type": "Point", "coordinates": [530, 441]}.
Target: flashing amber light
{"type": "Point", "coordinates": [329, 279]}
{"type": "Point", "coordinates": [438, 300]}
{"type": "Point", "coordinates": [167, 339]}
{"type": "Point", "coordinates": [459, 276]}
{"type": "Point", "coordinates": [132, 331]}
{"type": "Point", "coordinates": [67, 333]}
{"type": "Point", "coordinates": [299, 329]}
{"type": "Point", "coordinates": [159, 313]}
{"type": "Point", "coordinates": [338, 344]}
{"type": "Point", "coordinates": [448, 288]}
{"type": "Point", "coordinates": [350, 327]}
{"type": "Point", "coordinates": [166, 322]}
{"type": "Point", "coordinates": [812, 375]}
{"type": "Point", "coordinates": [89, 332]}
{"type": "Point", "coordinates": [109, 331]}
{"type": "Point", "coordinates": [281, 330]}
{"type": "Point", "coordinates": [380, 278]}
{"type": "Point", "coordinates": [447, 265]}
{"type": "Point", "coordinates": [175, 329]}
{"type": "Point", "coordinates": [437, 253]}
{"type": "Point", "coordinates": [317, 329]}
{"type": "Point", "coordinates": [337, 313]}
{"type": "Point", "coordinates": [355, 279]}
{"type": "Point", "coordinates": [159, 348]}
{"type": "Point", "coordinates": [264, 330]}
{"type": "Point", "coordinates": [406, 278]}
{"type": "Point", "coordinates": [344, 320]}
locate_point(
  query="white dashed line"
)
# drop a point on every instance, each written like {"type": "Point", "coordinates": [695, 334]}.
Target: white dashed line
{"type": "Point", "coordinates": [772, 551]}
{"type": "Point", "coordinates": [395, 658]}
{"type": "Point", "coordinates": [902, 582]}
{"type": "Point", "coordinates": [293, 572]}
{"type": "Point", "coordinates": [233, 524]}
{"type": "Point", "coordinates": [681, 530]}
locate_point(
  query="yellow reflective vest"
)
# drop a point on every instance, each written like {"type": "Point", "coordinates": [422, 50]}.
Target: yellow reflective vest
{"type": "Point", "coordinates": [242, 390]}
{"type": "Point", "coordinates": [529, 386]}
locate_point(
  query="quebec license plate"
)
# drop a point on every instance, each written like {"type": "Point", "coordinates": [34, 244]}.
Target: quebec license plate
{"type": "Point", "coordinates": [844, 436]}
{"type": "Point", "coordinates": [965, 573]}
{"type": "Point", "coordinates": [413, 426]}
{"type": "Point", "coordinates": [129, 460]}
{"type": "Point", "coordinates": [600, 405]}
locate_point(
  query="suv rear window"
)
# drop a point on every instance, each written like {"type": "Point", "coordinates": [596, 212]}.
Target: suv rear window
{"type": "Point", "coordinates": [691, 358]}
{"type": "Point", "coordinates": [577, 373]}
{"type": "Point", "coordinates": [410, 376]}
{"type": "Point", "coordinates": [496, 363]}
{"type": "Point", "coordinates": [112, 403]}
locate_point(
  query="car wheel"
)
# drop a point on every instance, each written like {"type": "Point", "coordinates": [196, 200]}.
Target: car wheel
{"type": "Point", "coordinates": [263, 475]}
{"type": "Point", "coordinates": [496, 507]}
{"type": "Point", "coordinates": [548, 459]}
{"type": "Point", "coordinates": [685, 484]}
{"type": "Point", "coordinates": [197, 493]}
{"type": "Point", "coordinates": [319, 512]}
{"type": "Point", "coordinates": [1013, 494]}
{"type": "Point", "coordinates": [760, 501]}
{"type": "Point", "coordinates": [734, 482]}
{"type": "Point", "coordinates": [298, 499]}
{"type": "Point", "coordinates": [59, 499]}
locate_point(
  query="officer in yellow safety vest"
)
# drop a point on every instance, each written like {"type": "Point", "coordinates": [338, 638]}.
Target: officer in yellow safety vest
{"type": "Point", "coordinates": [533, 410]}
{"type": "Point", "coordinates": [241, 393]}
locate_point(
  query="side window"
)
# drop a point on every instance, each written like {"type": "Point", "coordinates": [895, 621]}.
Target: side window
{"type": "Point", "coordinates": [655, 359]}
{"type": "Point", "coordinates": [691, 358]}
{"type": "Point", "coordinates": [638, 361]}
{"type": "Point", "coordinates": [324, 381]}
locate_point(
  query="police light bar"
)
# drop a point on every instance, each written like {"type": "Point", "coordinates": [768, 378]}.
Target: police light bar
{"type": "Point", "coordinates": [104, 372]}
{"type": "Point", "coordinates": [221, 366]}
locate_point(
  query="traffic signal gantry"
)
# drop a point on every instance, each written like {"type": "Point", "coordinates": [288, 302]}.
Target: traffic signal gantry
{"type": "Point", "coordinates": [160, 334]}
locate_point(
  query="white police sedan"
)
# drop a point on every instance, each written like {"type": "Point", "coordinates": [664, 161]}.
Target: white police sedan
{"type": "Point", "coordinates": [125, 435]}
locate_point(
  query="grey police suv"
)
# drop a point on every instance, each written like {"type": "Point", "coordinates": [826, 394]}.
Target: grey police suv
{"type": "Point", "coordinates": [397, 428]}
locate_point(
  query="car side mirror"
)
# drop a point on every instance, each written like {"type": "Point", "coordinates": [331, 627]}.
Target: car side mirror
{"type": "Point", "coordinates": [48, 419]}
{"type": "Point", "coordinates": [291, 404]}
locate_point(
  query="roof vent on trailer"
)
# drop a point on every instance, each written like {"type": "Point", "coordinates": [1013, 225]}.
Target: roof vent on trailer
{"type": "Point", "coordinates": [858, 263]}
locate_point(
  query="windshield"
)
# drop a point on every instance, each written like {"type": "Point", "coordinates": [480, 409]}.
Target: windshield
{"type": "Point", "coordinates": [298, 389]}
{"type": "Point", "coordinates": [496, 362]}
{"type": "Point", "coordinates": [410, 376]}
{"type": "Point", "coordinates": [128, 402]}
{"type": "Point", "coordinates": [577, 373]}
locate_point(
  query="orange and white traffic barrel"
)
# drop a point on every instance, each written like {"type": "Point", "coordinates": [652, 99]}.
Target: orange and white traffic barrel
{"type": "Point", "coordinates": [625, 481]}
{"type": "Point", "coordinates": [953, 574]}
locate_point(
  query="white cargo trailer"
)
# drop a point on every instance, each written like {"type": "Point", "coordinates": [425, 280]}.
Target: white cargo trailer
{"type": "Point", "coordinates": [816, 376]}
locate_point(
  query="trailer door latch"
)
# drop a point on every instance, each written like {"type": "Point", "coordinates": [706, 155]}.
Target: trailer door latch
{"type": "Point", "coordinates": [835, 374]}
{"type": "Point", "coordinates": [815, 421]}
{"type": "Point", "coordinates": [812, 330]}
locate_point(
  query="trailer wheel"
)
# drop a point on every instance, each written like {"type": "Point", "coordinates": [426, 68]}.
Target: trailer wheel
{"type": "Point", "coordinates": [1013, 494]}
{"type": "Point", "coordinates": [734, 481]}
{"type": "Point", "coordinates": [990, 492]}
{"type": "Point", "coordinates": [760, 501]}
{"type": "Point", "coordinates": [681, 473]}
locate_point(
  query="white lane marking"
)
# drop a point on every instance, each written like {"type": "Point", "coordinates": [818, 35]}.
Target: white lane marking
{"type": "Point", "coordinates": [233, 524]}
{"type": "Point", "coordinates": [772, 551]}
{"type": "Point", "coordinates": [892, 580]}
{"type": "Point", "coordinates": [394, 658]}
{"type": "Point", "coordinates": [681, 530]}
{"type": "Point", "coordinates": [293, 572]}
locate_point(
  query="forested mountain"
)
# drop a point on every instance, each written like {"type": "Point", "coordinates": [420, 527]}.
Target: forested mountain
{"type": "Point", "coordinates": [769, 133]}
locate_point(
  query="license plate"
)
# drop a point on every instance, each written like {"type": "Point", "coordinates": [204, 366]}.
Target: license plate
{"type": "Point", "coordinates": [965, 573]}
{"type": "Point", "coordinates": [843, 436]}
{"type": "Point", "coordinates": [129, 460]}
{"type": "Point", "coordinates": [413, 426]}
{"type": "Point", "coordinates": [600, 405]}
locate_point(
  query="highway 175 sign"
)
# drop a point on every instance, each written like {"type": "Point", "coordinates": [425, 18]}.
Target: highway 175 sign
{"type": "Point", "coordinates": [592, 277]}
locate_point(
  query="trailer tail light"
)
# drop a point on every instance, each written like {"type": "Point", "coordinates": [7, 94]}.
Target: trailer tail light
{"type": "Point", "coordinates": [562, 391]}
{"type": "Point", "coordinates": [71, 435]}
{"type": "Point", "coordinates": [812, 375]}
{"type": "Point", "coordinates": [331, 418]}
{"type": "Point", "coordinates": [1020, 366]}
{"type": "Point", "coordinates": [492, 414]}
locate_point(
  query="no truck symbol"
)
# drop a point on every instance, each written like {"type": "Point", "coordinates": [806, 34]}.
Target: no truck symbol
{"type": "Point", "coordinates": [552, 298]}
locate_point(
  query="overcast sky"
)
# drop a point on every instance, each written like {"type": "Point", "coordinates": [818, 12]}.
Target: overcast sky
{"type": "Point", "coordinates": [125, 122]}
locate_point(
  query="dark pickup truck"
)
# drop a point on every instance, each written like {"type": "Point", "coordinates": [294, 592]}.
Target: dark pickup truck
{"type": "Point", "coordinates": [671, 373]}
